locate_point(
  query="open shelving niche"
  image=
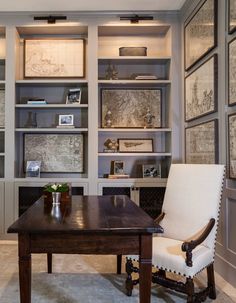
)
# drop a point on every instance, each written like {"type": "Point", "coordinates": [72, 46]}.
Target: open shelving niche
{"type": "Point", "coordinates": [2, 99]}
{"type": "Point", "coordinates": [54, 91]}
{"type": "Point", "coordinates": [157, 39]}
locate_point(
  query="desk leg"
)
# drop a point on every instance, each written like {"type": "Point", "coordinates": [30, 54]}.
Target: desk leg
{"type": "Point", "coordinates": [24, 268]}
{"type": "Point", "coordinates": [145, 268]}
{"type": "Point", "coordinates": [49, 261]}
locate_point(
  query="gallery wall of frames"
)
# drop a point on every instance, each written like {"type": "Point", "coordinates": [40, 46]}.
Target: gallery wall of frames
{"type": "Point", "coordinates": [209, 105]}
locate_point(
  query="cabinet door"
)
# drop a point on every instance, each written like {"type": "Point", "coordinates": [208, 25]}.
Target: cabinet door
{"type": "Point", "coordinates": [151, 200]}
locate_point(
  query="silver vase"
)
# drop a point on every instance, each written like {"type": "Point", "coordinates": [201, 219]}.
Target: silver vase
{"type": "Point", "coordinates": [56, 198]}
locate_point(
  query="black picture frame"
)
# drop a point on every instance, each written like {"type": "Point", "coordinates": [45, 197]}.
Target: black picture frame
{"type": "Point", "coordinates": [232, 146]}
{"type": "Point", "coordinates": [200, 14]}
{"type": "Point", "coordinates": [231, 28]}
{"type": "Point", "coordinates": [201, 147]}
{"type": "Point", "coordinates": [231, 67]}
{"type": "Point", "coordinates": [204, 79]}
{"type": "Point", "coordinates": [129, 106]}
{"type": "Point", "coordinates": [55, 146]}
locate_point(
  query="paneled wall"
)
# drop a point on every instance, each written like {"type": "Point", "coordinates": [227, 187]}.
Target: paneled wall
{"type": "Point", "coordinates": [225, 263]}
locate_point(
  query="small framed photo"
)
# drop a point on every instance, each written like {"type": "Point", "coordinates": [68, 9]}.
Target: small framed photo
{"type": "Point", "coordinates": [151, 171]}
{"type": "Point", "coordinates": [33, 169]}
{"type": "Point", "coordinates": [135, 145]}
{"type": "Point", "coordinates": [73, 96]}
{"type": "Point", "coordinates": [66, 120]}
{"type": "Point", "coordinates": [117, 167]}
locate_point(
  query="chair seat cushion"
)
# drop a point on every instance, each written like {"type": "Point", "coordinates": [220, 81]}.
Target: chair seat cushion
{"type": "Point", "coordinates": [168, 255]}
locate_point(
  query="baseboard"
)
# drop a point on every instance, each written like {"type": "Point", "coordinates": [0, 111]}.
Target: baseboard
{"type": "Point", "coordinates": [8, 237]}
{"type": "Point", "coordinates": [226, 270]}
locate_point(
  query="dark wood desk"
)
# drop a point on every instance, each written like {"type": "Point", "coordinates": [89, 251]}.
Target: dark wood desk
{"type": "Point", "coordinates": [85, 225]}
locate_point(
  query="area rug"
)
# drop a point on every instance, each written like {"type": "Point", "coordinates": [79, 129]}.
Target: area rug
{"type": "Point", "coordinates": [76, 279]}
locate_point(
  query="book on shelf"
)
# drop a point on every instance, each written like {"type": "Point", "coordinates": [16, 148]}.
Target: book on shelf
{"type": "Point", "coordinates": [143, 77]}
{"type": "Point", "coordinates": [65, 126]}
{"type": "Point", "coordinates": [122, 176]}
{"type": "Point", "coordinates": [36, 101]}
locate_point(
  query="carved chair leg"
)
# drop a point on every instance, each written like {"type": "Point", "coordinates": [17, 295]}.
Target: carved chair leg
{"type": "Point", "coordinates": [129, 282]}
{"type": "Point", "coordinates": [211, 281]}
{"type": "Point", "coordinates": [190, 290]}
{"type": "Point", "coordinates": [49, 261]}
{"type": "Point", "coordinates": [119, 261]}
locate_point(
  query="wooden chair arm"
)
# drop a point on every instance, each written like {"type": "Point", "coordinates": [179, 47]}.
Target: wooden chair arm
{"type": "Point", "coordinates": [159, 218]}
{"type": "Point", "coordinates": [188, 246]}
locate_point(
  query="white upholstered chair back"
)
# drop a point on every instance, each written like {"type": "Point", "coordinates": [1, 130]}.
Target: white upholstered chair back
{"type": "Point", "coordinates": [192, 198]}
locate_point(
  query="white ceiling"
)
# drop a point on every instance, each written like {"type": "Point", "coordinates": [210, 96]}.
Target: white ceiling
{"type": "Point", "coordinates": [88, 5]}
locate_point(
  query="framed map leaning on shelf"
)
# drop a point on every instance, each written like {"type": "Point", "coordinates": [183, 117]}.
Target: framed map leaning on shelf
{"type": "Point", "coordinates": [232, 145]}
{"type": "Point", "coordinates": [58, 153]}
{"type": "Point", "coordinates": [128, 108]}
{"type": "Point", "coordinates": [201, 143]}
{"type": "Point", "coordinates": [54, 58]}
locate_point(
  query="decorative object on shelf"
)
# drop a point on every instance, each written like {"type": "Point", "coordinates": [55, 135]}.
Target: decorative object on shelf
{"type": "Point", "coordinates": [62, 153]}
{"type": "Point", "coordinates": [148, 119]}
{"type": "Point", "coordinates": [56, 189]}
{"type": "Point", "coordinates": [143, 76]}
{"type": "Point", "coordinates": [33, 169]}
{"type": "Point", "coordinates": [2, 108]}
{"type": "Point", "coordinates": [111, 72]}
{"type": "Point", "coordinates": [231, 72]}
{"type": "Point", "coordinates": [201, 90]}
{"type": "Point", "coordinates": [54, 58]}
{"type": "Point", "coordinates": [31, 120]}
{"type": "Point", "coordinates": [133, 51]}
{"type": "Point", "coordinates": [232, 145]}
{"type": "Point", "coordinates": [36, 101]}
{"type": "Point", "coordinates": [200, 33]}
{"type": "Point", "coordinates": [201, 143]}
{"type": "Point", "coordinates": [66, 121]}
{"type": "Point", "coordinates": [111, 146]}
{"type": "Point", "coordinates": [73, 96]}
{"type": "Point", "coordinates": [135, 145]}
{"type": "Point", "coordinates": [108, 119]}
{"type": "Point", "coordinates": [151, 171]}
{"type": "Point", "coordinates": [232, 15]}
{"type": "Point", "coordinates": [128, 107]}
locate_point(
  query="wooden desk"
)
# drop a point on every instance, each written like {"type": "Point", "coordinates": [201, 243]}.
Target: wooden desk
{"type": "Point", "coordinates": [85, 225]}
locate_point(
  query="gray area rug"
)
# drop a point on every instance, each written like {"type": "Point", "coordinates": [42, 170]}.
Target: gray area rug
{"type": "Point", "coordinates": [76, 279]}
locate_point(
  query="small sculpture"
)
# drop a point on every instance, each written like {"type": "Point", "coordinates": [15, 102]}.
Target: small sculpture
{"type": "Point", "coordinates": [31, 120]}
{"type": "Point", "coordinates": [108, 119]}
{"type": "Point", "coordinates": [148, 119]}
{"type": "Point", "coordinates": [111, 73]}
{"type": "Point", "coordinates": [111, 145]}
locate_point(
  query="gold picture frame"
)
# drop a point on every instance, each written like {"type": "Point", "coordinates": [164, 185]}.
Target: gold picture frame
{"type": "Point", "coordinates": [54, 58]}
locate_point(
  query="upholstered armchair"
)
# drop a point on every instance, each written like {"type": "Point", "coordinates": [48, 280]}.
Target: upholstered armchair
{"type": "Point", "coordinates": [189, 219]}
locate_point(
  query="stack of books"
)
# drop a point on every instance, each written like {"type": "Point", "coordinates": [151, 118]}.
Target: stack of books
{"type": "Point", "coordinates": [65, 126]}
{"type": "Point", "coordinates": [145, 77]}
{"type": "Point", "coordinates": [123, 176]}
{"type": "Point", "coordinates": [36, 101]}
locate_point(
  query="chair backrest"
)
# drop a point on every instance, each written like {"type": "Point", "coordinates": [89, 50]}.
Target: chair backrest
{"type": "Point", "coordinates": [192, 198]}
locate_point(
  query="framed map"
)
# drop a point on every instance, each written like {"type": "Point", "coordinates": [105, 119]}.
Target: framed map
{"type": "Point", "coordinates": [130, 108]}
{"type": "Point", "coordinates": [201, 143]}
{"type": "Point", "coordinates": [232, 72]}
{"type": "Point", "coordinates": [201, 90]}
{"type": "Point", "coordinates": [200, 33]}
{"type": "Point", "coordinates": [2, 108]}
{"type": "Point", "coordinates": [61, 153]}
{"type": "Point", "coordinates": [54, 58]}
{"type": "Point", "coordinates": [232, 145]}
{"type": "Point", "coordinates": [232, 15]}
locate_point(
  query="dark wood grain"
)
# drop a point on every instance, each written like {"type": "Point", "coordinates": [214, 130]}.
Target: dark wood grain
{"type": "Point", "coordinates": [85, 225]}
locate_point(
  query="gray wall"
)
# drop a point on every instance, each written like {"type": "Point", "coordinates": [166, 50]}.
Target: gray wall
{"type": "Point", "coordinates": [225, 262]}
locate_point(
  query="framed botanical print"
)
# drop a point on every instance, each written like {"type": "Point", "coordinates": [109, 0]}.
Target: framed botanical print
{"type": "Point", "coordinates": [232, 72]}
{"type": "Point", "coordinates": [54, 58]}
{"type": "Point", "coordinates": [200, 33]}
{"type": "Point", "coordinates": [232, 15]}
{"type": "Point", "coordinates": [201, 143]}
{"type": "Point", "coordinates": [201, 90]}
{"type": "Point", "coordinates": [131, 108]}
{"type": "Point", "coordinates": [232, 145]}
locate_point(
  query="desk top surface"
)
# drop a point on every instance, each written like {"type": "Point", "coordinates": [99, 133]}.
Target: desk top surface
{"type": "Point", "coordinates": [85, 214]}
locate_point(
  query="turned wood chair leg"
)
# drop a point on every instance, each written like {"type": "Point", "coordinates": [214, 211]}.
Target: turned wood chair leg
{"type": "Point", "coordinates": [190, 290]}
{"type": "Point", "coordinates": [49, 261]}
{"type": "Point", "coordinates": [119, 262]}
{"type": "Point", "coordinates": [211, 281]}
{"type": "Point", "coordinates": [129, 283]}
